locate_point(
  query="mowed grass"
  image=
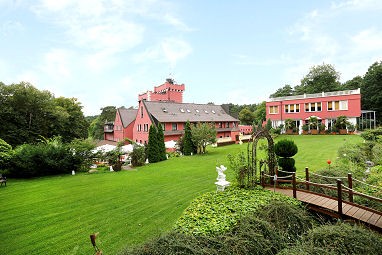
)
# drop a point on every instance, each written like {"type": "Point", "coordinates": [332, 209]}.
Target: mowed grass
{"type": "Point", "coordinates": [56, 215]}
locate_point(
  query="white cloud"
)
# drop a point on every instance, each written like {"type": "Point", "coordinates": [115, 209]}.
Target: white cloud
{"type": "Point", "coordinates": [10, 27]}
{"type": "Point", "coordinates": [177, 23]}
{"type": "Point", "coordinates": [368, 40]}
{"type": "Point", "coordinates": [57, 62]}
{"type": "Point", "coordinates": [169, 51]}
{"type": "Point", "coordinates": [357, 5]}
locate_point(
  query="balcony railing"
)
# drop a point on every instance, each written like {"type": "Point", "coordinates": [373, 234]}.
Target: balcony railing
{"type": "Point", "coordinates": [317, 95]}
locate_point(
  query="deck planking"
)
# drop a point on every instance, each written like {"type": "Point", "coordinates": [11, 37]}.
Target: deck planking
{"type": "Point", "coordinates": [350, 210]}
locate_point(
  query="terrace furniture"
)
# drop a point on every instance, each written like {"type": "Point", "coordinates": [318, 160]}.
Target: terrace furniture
{"type": "Point", "coordinates": [3, 179]}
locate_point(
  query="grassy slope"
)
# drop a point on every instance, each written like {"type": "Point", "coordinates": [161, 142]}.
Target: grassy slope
{"type": "Point", "coordinates": [56, 215]}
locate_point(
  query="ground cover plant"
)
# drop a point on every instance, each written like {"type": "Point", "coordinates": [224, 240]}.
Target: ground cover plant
{"type": "Point", "coordinates": [51, 215]}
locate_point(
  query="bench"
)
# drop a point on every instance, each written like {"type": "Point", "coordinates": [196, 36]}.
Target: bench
{"type": "Point", "coordinates": [3, 179]}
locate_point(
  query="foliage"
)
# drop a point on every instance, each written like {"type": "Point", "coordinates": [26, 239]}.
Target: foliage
{"type": "Point", "coordinates": [321, 127]}
{"type": "Point", "coordinates": [138, 156]}
{"type": "Point", "coordinates": [161, 145]}
{"type": "Point", "coordinates": [320, 78]}
{"type": "Point", "coordinates": [305, 127]}
{"type": "Point", "coordinates": [372, 134]}
{"type": "Point", "coordinates": [371, 90]}
{"type": "Point", "coordinates": [246, 116]}
{"type": "Point", "coordinates": [215, 213]}
{"type": "Point", "coordinates": [355, 153]}
{"type": "Point", "coordinates": [238, 163]}
{"type": "Point", "coordinates": [27, 113]}
{"type": "Point", "coordinates": [287, 90]}
{"type": "Point", "coordinates": [268, 126]}
{"type": "Point", "coordinates": [153, 153]}
{"type": "Point", "coordinates": [187, 144]}
{"type": "Point", "coordinates": [341, 122]}
{"type": "Point", "coordinates": [49, 157]}
{"type": "Point", "coordinates": [114, 158]}
{"type": "Point", "coordinates": [290, 124]}
{"type": "Point", "coordinates": [96, 128]}
{"type": "Point", "coordinates": [286, 148]}
{"type": "Point", "coordinates": [202, 135]}
{"type": "Point", "coordinates": [260, 113]}
{"type": "Point", "coordinates": [291, 220]}
{"type": "Point", "coordinates": [6, 154]}
{"type": "Point", "coordinates": [313, 122]}
{"type": "Point", "coordinates": [287, 165]}
{"type": "Point", "coordinates": [82, 154]}
{"type": "Point", "coordinates": [344, 239]}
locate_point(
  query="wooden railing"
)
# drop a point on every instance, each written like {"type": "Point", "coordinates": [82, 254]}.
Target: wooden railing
{"type": "Point", "coordinates": [307, 184]}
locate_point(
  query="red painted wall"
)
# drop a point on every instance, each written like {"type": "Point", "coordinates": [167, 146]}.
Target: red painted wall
{"type": "Point", "coordinates": [118, 128]}
{"type": "Point", "coordinates": [354, 108]}
{"type": "Point", "coordinates": [164, 92]}
{"type": "Point", "coordinates": [141, 136]}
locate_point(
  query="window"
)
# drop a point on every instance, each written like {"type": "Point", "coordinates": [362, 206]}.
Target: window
{"type": "Point", "coordinates": [337, 105]}
{"type": "Point", "coordinates": [273, 109]}
{"type": "Point", "coordinates": [174, 126]}
{"type": "Point", "coordinates": [220, 125]}
{"type": "Point", "coordinates": [145, 127]}
{"type": "Point", "coordinates": [227, 124]}
{"type": "Point", "coordinates": [290, 108]}
{"type": "Point", "coordinates": [141, 111]}
{"type": "Point", "coordinates": [313, 107]}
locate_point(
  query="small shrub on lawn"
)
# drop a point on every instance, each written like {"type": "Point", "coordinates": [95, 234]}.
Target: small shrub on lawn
{"type": "Point", "coordinates": [216, 213]}
{"type": "Point", "coordinates": [138, 155]}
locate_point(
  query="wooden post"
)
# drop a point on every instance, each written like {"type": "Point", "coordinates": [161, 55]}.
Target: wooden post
{"type": "Point", "coordinates": [262, 179]}
{"type": "Point", "coordinates": [307, 177]}
{"type": "Point", "coordinates": [277, 174]}
{"type": "Point", "coordinates": [339, 194]}
{"type": "Point", "coordinates": [294, 185]}
{"type": "Point", "coordinates": [350, 182]}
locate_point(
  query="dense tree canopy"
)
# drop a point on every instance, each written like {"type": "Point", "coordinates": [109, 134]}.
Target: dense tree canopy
{"type": "Point", "coordinates": [372, 90]}
{"type": "Point", "coordinates": [97, 125]}
{"type": "Point", "coordinates": [202, 135]}
{"type": "Point", "coordinates": [246, 116]}
{"type": "Point", "coordinates": [27, 113]}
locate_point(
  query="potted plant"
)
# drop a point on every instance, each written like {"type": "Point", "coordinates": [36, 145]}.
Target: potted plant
{"type": "Point", "coordinates": [305, 129]}
{"type": "Point", "coordinates": [341, 124]}
{"type": "Point", "coordinates": [351, 128]}
{"type": "Point", "coordinates": [321, 128]}
{"type": "Point", "coordinates": [289, 126]}
{"type": "Point", "coordinates": [313, 124]}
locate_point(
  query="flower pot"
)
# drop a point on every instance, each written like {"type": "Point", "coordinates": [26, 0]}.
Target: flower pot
{"type": "Point", "coordinates": [314, 131]}
{"type": "Point", "coordinates": [343, 131]}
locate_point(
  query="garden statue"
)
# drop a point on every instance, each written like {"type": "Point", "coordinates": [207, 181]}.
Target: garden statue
{"type": "Point", "coordinates": [221, 181]}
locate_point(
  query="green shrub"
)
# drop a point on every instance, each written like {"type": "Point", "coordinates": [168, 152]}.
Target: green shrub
{"type": "Point", "coordinates": [377, 153]}
{"type": "Point", "coordinates": [238, 163]}
{"type": "Point", "coordinates": [138, 155]}
{"type": "Point", "coordinates": [286, 148]}
{"type": "Point", "coordinates": [6, 154]}
{"type": "Point", "coordinates": [344, 239]}
{"type": "Point", "coordinates": [372, 134]}
{"type": "Point", "coordinates": [289, 219]}
{"type": "Point", "coordinates": [305, 249]}
{"type": "Point", "coordinates": [287, 164]}
{"type": "Point", "coordinates": [216, 213]}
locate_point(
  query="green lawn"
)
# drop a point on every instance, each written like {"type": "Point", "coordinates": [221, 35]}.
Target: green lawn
{"type": "Point", "coordinates": [56, 215]}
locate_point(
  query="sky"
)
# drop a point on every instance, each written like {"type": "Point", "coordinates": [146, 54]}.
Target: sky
{"type": "Point", "coordinates": [106, 52]}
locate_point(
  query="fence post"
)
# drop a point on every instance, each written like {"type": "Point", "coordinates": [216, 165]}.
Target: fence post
{"type": "Point", "coordinates": [339, 194]}
{"type": "Point", "coordinates": [294, 185]}
{"type": "Point", "coordinates": [307, 178]}
{"type": "Point", "coordinates": [262, 179]}
{"type": "Point", "coordinates": [277, 174]}
{"type": "Point", "coordinates": [350, 182]}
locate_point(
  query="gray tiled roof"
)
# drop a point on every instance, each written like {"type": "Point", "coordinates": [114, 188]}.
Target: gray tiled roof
{"type": "Point", "coordinates": [127, 115]}
{"type": "Point", "coordinates": [181, 112]}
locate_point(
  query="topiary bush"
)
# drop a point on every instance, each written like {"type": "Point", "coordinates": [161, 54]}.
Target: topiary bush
{"type": "Point", "coordinates": [285, 150]}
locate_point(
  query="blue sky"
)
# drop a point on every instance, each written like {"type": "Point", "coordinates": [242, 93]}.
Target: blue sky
{"type": "Point", "coordinates": [106, 52]}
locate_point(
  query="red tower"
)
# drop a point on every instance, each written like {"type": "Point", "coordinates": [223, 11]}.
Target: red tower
{"type": "Point", "coordinates": [168, 91]}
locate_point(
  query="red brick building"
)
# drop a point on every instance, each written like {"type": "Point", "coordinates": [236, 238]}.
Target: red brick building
{"type": "Point", "coordinates": [165, 105]}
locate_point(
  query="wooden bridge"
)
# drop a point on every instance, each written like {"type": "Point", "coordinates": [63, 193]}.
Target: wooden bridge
{"type": "Point", "coordinates": [334, 205]}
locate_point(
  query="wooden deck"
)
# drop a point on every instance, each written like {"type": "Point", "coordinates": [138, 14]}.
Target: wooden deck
{"type": "Point", "coordinates": [330, 206]}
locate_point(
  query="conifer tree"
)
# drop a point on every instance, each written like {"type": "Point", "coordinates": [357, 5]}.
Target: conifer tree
{"type": "Point", "coordinates": [188, 145]}
{"type": "Point", "coordinates": [152, 146]}
{"type": "Point", "coordinates": [161, 145]}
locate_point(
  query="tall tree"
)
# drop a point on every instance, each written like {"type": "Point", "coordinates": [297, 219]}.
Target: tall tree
{"type": "Point", "coordinates": [153, 146]}
{"type": "Point", "coordinates": [354, 83]}
{"type": "Point", "coordinates": [320, 78]}
{"type": "Point", "coordinates": [188, 145]}
{"type": "Point", "coordinates": [260, 113]}
{"type": "Point", "coordinates": [246, 116]}
{"type": "Point", "coordinates": [202, 135]}
{"type": "Point", "coordinates": [371, 90]}
{"type": "Point", "coordinates": [287, 90]}
{"type": "Point", "coordinates": [161, 145]}
{"type": "Point", "coordinates": [97, 125]}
